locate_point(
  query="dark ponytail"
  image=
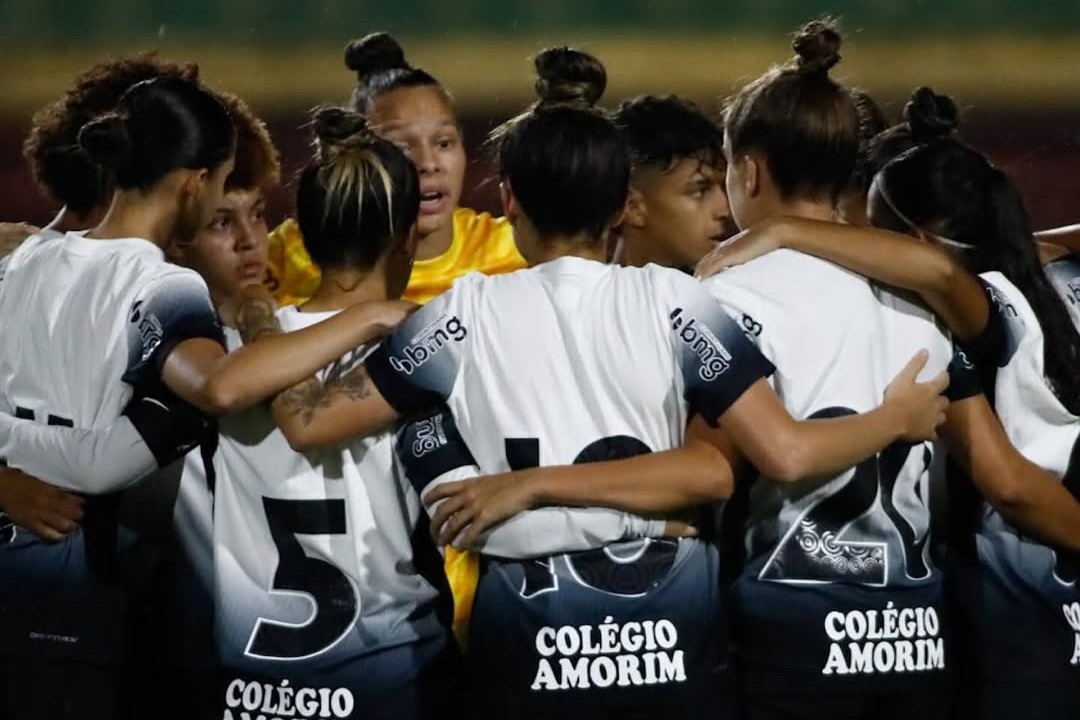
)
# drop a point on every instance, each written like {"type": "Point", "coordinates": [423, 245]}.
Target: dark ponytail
{"type": "Point", "coordinates": [380, 66]}
{"type": "Point", "coordinates": [928, 117]}
{"type": "Point", "coordinates": [106, 141]}
{"type": "Point", "coordinates": [159, 126]}
{"type": "Point", "coordinates": [566, 162]}
{"type": "Point", "coordinates": [952, 190]}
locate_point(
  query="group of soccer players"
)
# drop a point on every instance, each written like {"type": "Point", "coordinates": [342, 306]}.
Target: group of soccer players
{"type": "Point", "coordinates": [400, 459]}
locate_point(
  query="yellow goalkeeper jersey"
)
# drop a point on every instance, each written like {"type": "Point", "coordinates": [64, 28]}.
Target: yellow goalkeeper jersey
{"type": "Point", "coordinates": [481, 243]}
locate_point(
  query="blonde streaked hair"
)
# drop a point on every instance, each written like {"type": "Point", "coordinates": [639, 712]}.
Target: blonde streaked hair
{"type": "Point", "coordinates": [358, 195]}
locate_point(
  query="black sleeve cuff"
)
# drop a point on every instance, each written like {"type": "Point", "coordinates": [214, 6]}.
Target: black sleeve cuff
{"type": "Point", "coordinates": [987, 349]}
{"type": "Point", "coordinates": [711, 402]}
{"type": "Point", "coordinates": [169, 426]}
{"type": "Point", "coordinates": [431, 446]}
{"type": "Point", "coordinates": [964, 379]}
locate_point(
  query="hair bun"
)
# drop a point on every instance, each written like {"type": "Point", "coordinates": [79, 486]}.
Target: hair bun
{"type": "Point", "coordinates": [817, 46]}
{"type": "Point", "coordinates": [374, 53]}
{"type": "Point", "coordinates": [106, 141]}
{"type": "Point", "coordinates": [931, 116]}
{"type": "Point", "coordinates": [569, 76]}
{"type": "Point", "coordinates": [339, 130]}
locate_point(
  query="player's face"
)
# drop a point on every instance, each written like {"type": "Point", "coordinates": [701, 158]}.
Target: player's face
{"type": "Point", "coordinates": [230, 251]}
{"type": "Point", "coordinates": [686, 213]}
{"type": "Point", "coordinates": [421, 121]}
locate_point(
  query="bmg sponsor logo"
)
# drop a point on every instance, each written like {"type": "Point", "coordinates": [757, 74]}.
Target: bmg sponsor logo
{"type": "Point", "coordinates": [715, 358]}
{"type": "Point", "coordinates": [428, 342]}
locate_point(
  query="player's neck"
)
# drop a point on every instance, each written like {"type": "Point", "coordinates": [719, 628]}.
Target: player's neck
{"type": "Point", "coordinates": [806, 209]}
{"type": "Point", "coordinates": [629, 250]}
{"type": "Point", "coordinates": [553, 248]}
{"type": "Point", "coordinates": [435, 243]}
{"type": "Point", "coordinates": [133, 215]}
{"type": "Point", "coordinates": [68, 221]}
{"type": "Point", "coordinates": [342, 288]}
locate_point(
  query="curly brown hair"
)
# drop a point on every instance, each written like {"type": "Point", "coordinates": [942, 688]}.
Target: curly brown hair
{"type": "Point", "coordinates": [63, 170]}
{"type": "Point", "coordinates": [257, 160]}
{"type": "Point", "coordinates": [59, 165]}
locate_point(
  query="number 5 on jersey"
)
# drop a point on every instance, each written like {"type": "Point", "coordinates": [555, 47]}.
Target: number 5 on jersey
{"type": "Point", "coordinates": [336, 605]}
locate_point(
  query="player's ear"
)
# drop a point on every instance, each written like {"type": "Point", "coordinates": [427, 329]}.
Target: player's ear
{"type": "Point", "coordinates": [751, 174]}
{"type": "Point", "coordinates": [193, 182]}
{"type": "Point", "coordinates": [511, 209]}
{"type": "Point", "coordinates": [636, 210]}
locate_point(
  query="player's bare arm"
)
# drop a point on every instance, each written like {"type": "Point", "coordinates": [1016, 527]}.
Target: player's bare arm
{"type": "Point", "coordinates": [1025, 494]}
{"type": "Point", "coordinates": [313, 414]}
{"type": "Point", "coordinates": [46, 511]}
{"type": "Point", "coordinates": [201, 372]}
{"type": "Point", "coordinates": [1057, 242]}
{"type": "Point", "coordinates": [255, 316]}
{"type": "Point", "coordinates": [889, 257]}
{"type": "Point", "coordinates": [786, 450]}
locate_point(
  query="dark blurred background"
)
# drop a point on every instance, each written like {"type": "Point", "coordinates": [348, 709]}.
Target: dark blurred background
{"type": "Point", "coordinates": [1014, 65]}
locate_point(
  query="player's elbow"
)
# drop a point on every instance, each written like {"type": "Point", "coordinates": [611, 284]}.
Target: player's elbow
{"type": "Point", "coordinates": [301, 444]}
{"type": "Point", "coordinates": [942, 273]}
{"type": "Point", "coordinates": [718, 477]}
{"type": "Point", "coordinates": [1006, 494]}
{"type": "Point", "coordinates": [787, 462]}
{"type": "Point", "coordinates": [300, 438]}
{"type": "Point", "coordinates": [221, 397]}
{"type": "Point", "coordinates": [1006, 480]}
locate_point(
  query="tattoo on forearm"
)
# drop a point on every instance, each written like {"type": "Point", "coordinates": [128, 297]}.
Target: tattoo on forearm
{"type": "Point", "coordinates": [256, 319]}
{"type": "Point", "coordinates": [355, 384]}
{"type": "Point", "coordinates": [305, 398]}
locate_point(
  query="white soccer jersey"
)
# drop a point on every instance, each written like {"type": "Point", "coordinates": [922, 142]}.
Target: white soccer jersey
{"type": "Point", "coordinates": [859, 541]}
{"type": "Point", "coordinates": [1030, 594]}
{"type": "Point", "coordinates": [85, 322]}
{"type": "Point", "coordinates": [564, 357]}
{"type": "Point", "coordinates": [574, 361]}
{"type": "Point", "coordinates": [40, 236]}
{"type": "Point", "coordinates": [325, 574]}
{"type": "Point", "coordinates": [81, 320]}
